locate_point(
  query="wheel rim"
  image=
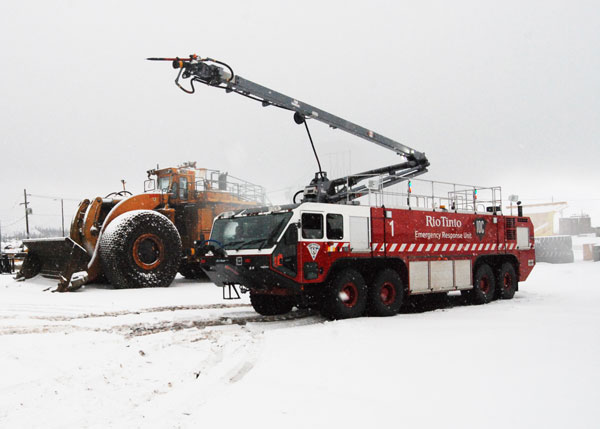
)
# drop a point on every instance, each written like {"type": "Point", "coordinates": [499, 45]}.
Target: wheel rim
{"type": "Point", "coordinates": [387, 293]}
{"type": "Point", "coordinates": [349, 295]}
{"type": "Point", "coordinates": [148, 251]}
{"type": "Point", "coordinates": [507, 280]}
{"type": "Point", "coordinates": [484, 284]}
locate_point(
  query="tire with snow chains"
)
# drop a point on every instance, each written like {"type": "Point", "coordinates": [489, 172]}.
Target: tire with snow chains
{"type": "Point", "coordinates": [506, 281]}
{"type": "Point", "coordinates": [270, 305]}
{"type": "Point", "coordinates": [140, 248]}
{"type": "Point", "coordinates": [484, 285]}
{"type": "Point", "coordinates": [385, 294]}
{"type": "Point", "coordinates": [345, 296]}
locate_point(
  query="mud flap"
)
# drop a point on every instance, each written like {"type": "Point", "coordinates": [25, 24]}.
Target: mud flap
{"type": "Point", "coordinates": [57, 258]}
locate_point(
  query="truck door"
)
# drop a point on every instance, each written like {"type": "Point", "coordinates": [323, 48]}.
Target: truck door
{"type": "Point", "coordinates": [183, 188]}
{"type": "Point", "coordinates": [285, 255]}
{"type": "Point", "coordinates": [312, 248]}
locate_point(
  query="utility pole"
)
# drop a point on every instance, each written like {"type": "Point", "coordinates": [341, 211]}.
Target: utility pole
{"type": "Point", "coordinates": [62, 212]}
{"type": "Point", "coordinates": [26, 212]}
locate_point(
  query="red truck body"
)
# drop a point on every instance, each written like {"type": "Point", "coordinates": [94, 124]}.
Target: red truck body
{"type": "Point", "coordinates": [431, 251]}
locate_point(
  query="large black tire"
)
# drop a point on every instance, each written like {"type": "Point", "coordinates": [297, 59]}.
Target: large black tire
{"type": "Point", "coordinates": [385, 294]}
{"type": "Point", "coordinates": [345, 296]}
{"type": "Point", "coordinates": [192, 271]}
{"type": "Point", "coordinates": [270, 305]}
{"type": "Point", "coordinates": [507, 281]}
{"type": "Point", "coordinates": [484, 285]}
{"type": "Point", "coordinates": [140, 248]}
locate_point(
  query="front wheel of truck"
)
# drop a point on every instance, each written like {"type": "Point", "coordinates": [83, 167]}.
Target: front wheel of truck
{"type": "Point", "coordinates": [270, 305]}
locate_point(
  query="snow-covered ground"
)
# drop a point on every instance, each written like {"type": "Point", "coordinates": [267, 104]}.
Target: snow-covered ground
{"type": "Point", "coordinates": [183, 357]}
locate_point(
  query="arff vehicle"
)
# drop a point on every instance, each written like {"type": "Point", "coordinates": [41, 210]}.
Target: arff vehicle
{"type": "Point", "coordinates": [349, 248]}
{"type": "Point", "coordinates": [350, 258]}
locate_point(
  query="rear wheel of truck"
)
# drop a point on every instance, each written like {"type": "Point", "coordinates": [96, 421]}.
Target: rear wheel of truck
{"type": "Point", "coordinates": [140, 248]}
{"type": "Point", "coordinates": [270, 305]}
{"type": "Point", "coordinates": [385, 294]}
{"type": "Point", "coordinates": [507, 281]}
{"type": "Point", "coordinates": [484, 285]}
{"type": "Point", "coordinates": [345, 296]}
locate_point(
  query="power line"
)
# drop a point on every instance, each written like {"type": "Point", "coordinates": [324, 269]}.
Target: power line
{"type": "Point", "coordinates": [49, 197]}
{"type": "Point", "coordinates": [12, 223]}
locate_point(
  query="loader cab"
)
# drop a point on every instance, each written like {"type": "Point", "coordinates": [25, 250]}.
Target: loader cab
{"type": "Point", "coordinates": [178, 183]}
{"type": "Point", "coordinates": [164, 184]}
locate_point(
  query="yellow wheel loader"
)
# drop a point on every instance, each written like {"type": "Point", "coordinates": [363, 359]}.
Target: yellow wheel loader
{"type": "Point", "coordinates": [141, 240]}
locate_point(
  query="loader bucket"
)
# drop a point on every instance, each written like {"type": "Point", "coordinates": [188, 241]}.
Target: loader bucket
{"type": "Point", "coordinates": [57, 258]}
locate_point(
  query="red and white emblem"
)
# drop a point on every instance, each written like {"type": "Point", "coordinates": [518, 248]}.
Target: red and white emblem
{"type": "Point", "coordinates": [313, 249]}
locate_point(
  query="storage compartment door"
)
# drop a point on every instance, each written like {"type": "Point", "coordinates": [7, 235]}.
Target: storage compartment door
{"type": "Point", "coordinates": [418, 277]}
{"type": "Point", "coordinates": [359, 234]}
{"type": "Point", "coordinates": [522, 238]}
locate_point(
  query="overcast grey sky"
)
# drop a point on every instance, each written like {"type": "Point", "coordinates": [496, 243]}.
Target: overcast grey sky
{"type": "Point", "coordinates": [496, 93]}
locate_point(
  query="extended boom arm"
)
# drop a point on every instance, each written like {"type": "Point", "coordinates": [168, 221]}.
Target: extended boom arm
{"type": "Point", "coordinates": [218, 74]}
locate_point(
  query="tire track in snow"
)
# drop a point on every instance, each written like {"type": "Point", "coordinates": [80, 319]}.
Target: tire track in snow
{"type": "Point", "coordinates": [230, 319]}
{"type": "Point", "coordinates": [148, 328]}
{"type": "Point", "coordinates": [59, 318]}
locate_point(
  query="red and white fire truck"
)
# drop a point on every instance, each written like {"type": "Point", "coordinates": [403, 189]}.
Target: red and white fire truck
{"type": "Point", "coordinates": [349, 256]}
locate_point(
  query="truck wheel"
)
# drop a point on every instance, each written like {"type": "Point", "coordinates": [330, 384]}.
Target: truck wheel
{"type": "Point", "coordinates": [270, 305]}
{"type": "Point", "coordinates": [507, 281]}
{"type": "Point", "coordinates": [484, 285]}
{"type": "Point", "coordinates": [386, 294]}
{"type": "Point", "coordinates": [140, 248]}
{"type": "Point", "coordinates": [345, 296]}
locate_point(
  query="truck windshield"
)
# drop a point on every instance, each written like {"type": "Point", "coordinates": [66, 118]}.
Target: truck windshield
{"type": "Point", "coordinates": [163, 184]}
{"type": "Point", "coordinates": [249, 231]}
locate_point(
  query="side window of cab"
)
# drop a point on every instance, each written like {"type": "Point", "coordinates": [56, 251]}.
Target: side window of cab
{"type": "Point", "coordinates": [335, 226]}
{"type": "Point", "coordinates": [312, 225]}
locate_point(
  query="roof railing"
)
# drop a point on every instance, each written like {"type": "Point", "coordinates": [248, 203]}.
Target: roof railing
{"type": "Point", "coordinates": [218, 181]}
{"type": "Point", "coordinates": [432, 195]}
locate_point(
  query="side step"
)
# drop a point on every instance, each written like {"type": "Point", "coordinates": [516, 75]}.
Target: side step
{"type": "Point", "coordinates": [230, 291]}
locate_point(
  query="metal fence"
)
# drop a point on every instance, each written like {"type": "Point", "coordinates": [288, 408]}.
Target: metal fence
{"type": "Point", "coordinates": [435, 195]}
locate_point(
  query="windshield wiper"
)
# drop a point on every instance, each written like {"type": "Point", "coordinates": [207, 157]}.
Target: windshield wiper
{"type": "Point", "coordinates": [244, 243]}
{"type": "Point", "coordinates": [274, 233]}
{"type": "Point", "coordinates": [233, 242]}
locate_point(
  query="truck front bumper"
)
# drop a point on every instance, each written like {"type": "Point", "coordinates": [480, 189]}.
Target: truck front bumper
{"type": "Point", "coordinates": [252, 272]}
